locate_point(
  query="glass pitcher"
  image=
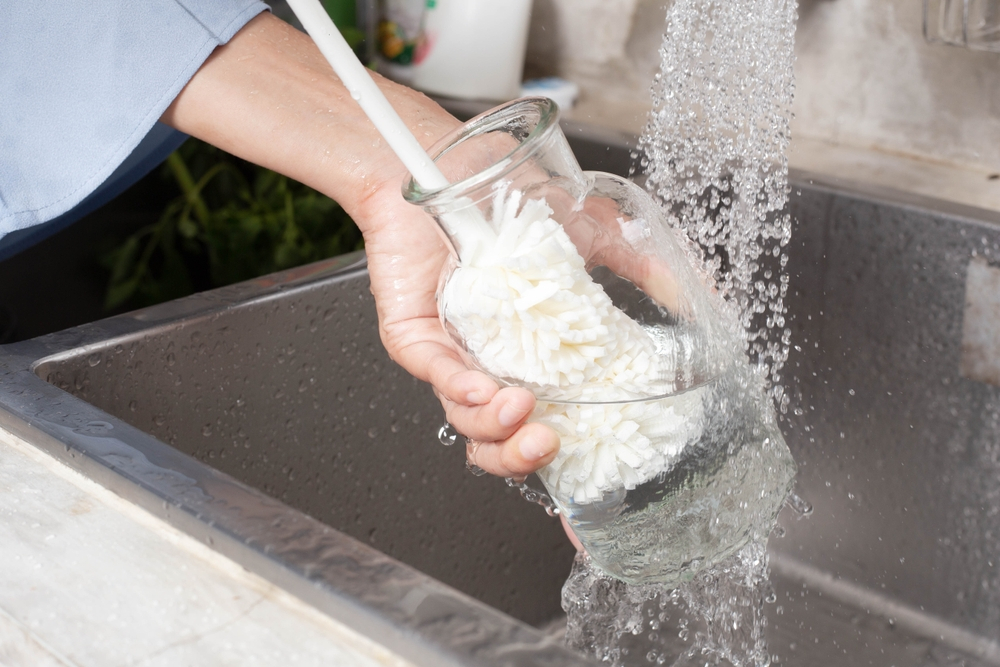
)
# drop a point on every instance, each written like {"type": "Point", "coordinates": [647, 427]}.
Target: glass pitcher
{"type": "Point", "coordinates": [573, 285]}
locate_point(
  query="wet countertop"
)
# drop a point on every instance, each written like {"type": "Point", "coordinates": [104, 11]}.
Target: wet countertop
{"type": "Point", "coordinates": [87, 578]}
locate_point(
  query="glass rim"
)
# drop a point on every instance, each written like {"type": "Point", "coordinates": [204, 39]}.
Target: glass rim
{"type": "Point", "coordinates": [548, 118]}
{"type": "Point", "coordinates": [659, 396]}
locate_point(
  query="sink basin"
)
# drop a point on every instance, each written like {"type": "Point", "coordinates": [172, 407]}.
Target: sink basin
{"type": "Point", "coordinates": [265, 419]}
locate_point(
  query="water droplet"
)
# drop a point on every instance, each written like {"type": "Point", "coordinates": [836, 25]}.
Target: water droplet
{"type": "Point", "coordinates": [447, 435]}
{"type": "Point", "coordinates": [801, 507]}
{"type": "Point", "coordinates": [474, 469]}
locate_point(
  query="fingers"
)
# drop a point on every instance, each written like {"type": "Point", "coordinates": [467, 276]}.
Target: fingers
{"type": "Point", "coordinates": [424, 349]}
{"type": "Point", "coordinates": [500, 442]}
{"type": "Point", "coordinates": [454, 382]}
{"type": "Point", "coordinates": [531, 447]}
{"type": "Point", "coordinates": [495, 419]}
{"type": "Point", "coordinates": [478, 408]}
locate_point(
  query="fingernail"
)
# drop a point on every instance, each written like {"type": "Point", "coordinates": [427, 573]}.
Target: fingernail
{"type": "Point", "coordinates": [510, 415]}
{"type": "Point", "coordinates": [533, 449]}
{"type": "Point", "coordinates": [475, 397]}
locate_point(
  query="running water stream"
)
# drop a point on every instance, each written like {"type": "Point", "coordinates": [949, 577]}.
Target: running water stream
{"type": "Point", "coordinates": [714, 156]}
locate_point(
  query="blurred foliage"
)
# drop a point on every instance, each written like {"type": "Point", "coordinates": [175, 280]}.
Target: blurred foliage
{"type": "Point", "coordinates": [232, 221]}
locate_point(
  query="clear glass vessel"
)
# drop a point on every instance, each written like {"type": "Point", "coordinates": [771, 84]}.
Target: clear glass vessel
{"type": "Point", "coordinates": [974, 24]}
{"type": "Point", "coordinates": [574, 285]}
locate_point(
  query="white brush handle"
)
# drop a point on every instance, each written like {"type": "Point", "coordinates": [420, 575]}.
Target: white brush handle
{"type": "Point", "coordinates": [362, 88]}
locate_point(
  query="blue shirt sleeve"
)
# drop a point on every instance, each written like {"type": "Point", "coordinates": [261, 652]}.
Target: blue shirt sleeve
{"type": "Point", "coordinates": [83, 83]}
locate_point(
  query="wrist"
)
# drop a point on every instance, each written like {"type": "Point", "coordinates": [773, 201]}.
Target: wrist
{"type": "Point", "coordinates": [269, 96]}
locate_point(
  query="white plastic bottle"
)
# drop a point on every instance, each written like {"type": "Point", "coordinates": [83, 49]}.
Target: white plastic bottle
{"type": "Point", "coordinates": [467, 49]}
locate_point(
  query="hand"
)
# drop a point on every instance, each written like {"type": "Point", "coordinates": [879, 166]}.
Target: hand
{"type": "Point", "coordinates": [405, 260]}
{"type": "Point", "coordinates": [268, 96]}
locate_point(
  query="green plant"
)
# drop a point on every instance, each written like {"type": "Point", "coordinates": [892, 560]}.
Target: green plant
{"type": "Point", "coordinates": [232, 221]}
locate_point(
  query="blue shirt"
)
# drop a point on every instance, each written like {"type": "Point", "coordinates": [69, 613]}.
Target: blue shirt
{"type": "Point", "coordinates": [82, 86]}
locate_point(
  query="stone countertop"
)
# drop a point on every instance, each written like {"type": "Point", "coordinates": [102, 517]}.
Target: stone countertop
{"type": "Point", "coordinates": [87, 578]}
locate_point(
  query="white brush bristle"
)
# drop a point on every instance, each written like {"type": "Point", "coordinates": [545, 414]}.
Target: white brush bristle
{"type": "Point", "coordinates": [527, 309]}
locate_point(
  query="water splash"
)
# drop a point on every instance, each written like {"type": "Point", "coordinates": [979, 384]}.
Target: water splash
{"type": "Point", "coordinates": [801, 506]}
{"type": "Point", "coordinates": [714, 153]}
{"type": "Point", "coordinates": [717, 618]}
{"type": "Point", "coordinates": [534, 496]}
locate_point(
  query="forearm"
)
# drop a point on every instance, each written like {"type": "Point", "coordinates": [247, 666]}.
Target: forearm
{"type": "Point", "coordinates": [270, 97]}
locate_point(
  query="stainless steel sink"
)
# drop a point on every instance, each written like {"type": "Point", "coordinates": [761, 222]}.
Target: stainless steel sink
{"type": "Point", "coordinates": [265, 419]}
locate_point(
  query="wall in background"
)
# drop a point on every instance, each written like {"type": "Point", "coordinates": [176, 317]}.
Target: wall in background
{"type": "Point", "coordinates": [865, 76]}
{"type": "Point", "coordinates": [609, 47]}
